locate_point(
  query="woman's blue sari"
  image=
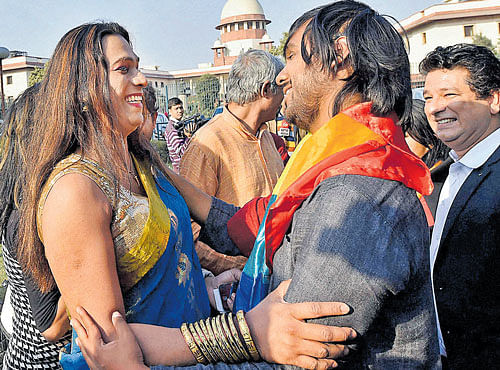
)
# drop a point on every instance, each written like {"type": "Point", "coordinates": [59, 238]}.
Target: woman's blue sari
{"type": "Point", "coordinates": [173, 291]}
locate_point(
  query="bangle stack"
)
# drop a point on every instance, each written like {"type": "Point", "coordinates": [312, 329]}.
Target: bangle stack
{"type": "Point", "coordinates": [245, 332]}
{"type": "Point", "coordinates": [217, 339]}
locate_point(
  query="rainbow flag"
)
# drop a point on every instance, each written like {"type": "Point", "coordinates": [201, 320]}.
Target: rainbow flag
{"type": "Point", "coordinates": [353, 142]}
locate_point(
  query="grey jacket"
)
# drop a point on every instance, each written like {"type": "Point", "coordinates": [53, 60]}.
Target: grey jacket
{"type": "Point", "coordinates": [363, 241]}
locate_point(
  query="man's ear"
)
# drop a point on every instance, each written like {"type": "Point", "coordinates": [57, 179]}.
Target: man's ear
{"type": "Point", "coordinates": [265, 89]}
{"type": "Point", "coordinates": [154, 117]}
{"type": "Point", "coordinates": [341, 49]}
{"type": "Point", "coordinates": [494, 101]}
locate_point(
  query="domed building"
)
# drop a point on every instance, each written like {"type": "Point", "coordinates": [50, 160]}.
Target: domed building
{"type": "Point", "coordinates": [242, 27]}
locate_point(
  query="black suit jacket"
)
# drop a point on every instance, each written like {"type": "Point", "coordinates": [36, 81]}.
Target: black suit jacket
{"type": "Point", "coordinates": [466, 271]}
{"type": "Point", "coordinates": [438, 176]}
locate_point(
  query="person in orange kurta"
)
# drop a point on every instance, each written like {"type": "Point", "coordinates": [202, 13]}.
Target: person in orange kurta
{"type": "Point", "coordinates": [234, 157]}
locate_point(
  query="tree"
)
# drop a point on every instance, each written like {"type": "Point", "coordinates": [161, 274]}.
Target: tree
{"type": "Point", "coordinates": [207, 93]}
{"type": "Point", "coordinates": [482, 40]}
{"type": "Point", "coordinates": [37, 75]}
{"type": "Point", "coordinates": [278, 50]}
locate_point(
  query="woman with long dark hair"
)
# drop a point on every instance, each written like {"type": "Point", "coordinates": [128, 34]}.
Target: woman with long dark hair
{"type": "Point", "coordinates": [40, 326]}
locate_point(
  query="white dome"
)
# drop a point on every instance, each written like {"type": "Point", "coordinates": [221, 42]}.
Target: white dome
{"type": "Point", "coordinates": [217, 44]}
{"type": "Point", "coordinates": [266, 38]}
{"type": "Point", "coordinates": [241, 7]}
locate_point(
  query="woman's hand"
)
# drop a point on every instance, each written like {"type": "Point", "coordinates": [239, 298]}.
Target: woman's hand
{"type": "Point", "coordinates": [123, 353]}
{"type": "Point", "coordinates": [213, 282]}
{"type": "Point", "coordinates": [282, 336]}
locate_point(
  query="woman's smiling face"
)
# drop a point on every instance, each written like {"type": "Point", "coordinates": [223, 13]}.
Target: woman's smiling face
{"type": "Point", "coordinates": [125, 82]}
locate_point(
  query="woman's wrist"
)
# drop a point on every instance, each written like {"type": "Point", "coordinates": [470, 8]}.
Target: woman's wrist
{"type": "Point", "coordinates": [223, 338]}
{"type": "Point", "coordinates": [244, 331]}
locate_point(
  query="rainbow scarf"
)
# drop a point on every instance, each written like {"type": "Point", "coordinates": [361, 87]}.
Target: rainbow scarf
{"type": "Point", "coordinates": [354, 142]}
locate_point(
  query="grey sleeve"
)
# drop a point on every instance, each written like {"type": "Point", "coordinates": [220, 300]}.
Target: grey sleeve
{"type": "Point", "coordinates": [214, 232]}
{"type": "Point", "coordinates": [342, 249]}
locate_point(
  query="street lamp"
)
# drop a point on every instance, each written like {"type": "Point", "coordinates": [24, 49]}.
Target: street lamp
{"type": "Point", "coordinates": [4, 53]}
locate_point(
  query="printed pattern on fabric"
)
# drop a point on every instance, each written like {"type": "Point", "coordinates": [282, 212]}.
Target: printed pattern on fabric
{"type": "Point", "coordinates": [27, 349]}
{"type": "Point", "coordinates": [130, 215]}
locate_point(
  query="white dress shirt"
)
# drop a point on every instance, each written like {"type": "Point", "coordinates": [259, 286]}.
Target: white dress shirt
{"type": "Point", "coordinates": [458, 173]}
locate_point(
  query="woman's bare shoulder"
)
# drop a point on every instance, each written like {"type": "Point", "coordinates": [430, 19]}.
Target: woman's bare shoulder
{"type": "Point", "coordinates": [75, 205]}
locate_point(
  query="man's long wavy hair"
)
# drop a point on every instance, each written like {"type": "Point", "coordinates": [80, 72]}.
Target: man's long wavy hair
{"type": "Point", "coordinates": [74, 110]}
{"type": "Point", "coordinates": [377, 55]}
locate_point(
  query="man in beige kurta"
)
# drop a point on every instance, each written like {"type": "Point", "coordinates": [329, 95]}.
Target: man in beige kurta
{"type": "Point", "coordinates": [233, 157]}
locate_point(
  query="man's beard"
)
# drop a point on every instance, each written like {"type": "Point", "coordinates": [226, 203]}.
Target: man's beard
{"type": "Point", "coordinates": [302, 108]}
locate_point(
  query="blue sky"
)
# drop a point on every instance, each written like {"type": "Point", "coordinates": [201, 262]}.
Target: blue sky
{"type": "Point", "coordinates": [174, 34]}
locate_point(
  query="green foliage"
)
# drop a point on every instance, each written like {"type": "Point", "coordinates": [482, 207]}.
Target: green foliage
{"type": "Point", "coordinates": [161, 147]}
{"type": "Point", "coordinates": [482, 40]}
{"type": "Point", "coordinates": [37, 75]}
{"type": "Point", "coordinates": [207, 96]}
{"type": "Point", "coordinates": [278, 50]}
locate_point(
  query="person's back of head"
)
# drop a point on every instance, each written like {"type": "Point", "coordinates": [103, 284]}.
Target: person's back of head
{"type": "Point", "coordinates": [150, 111]}
{"type": "Point", "coordinates": [150, 99]}
{"type": "Point", "coordinates": [420, 130]}
{"type": "Point", "coordinates": [249, 73]}
{"type": "Point", "coordinates": [15, 134]}
{"type": "Point", "coordinates": [378, 62]}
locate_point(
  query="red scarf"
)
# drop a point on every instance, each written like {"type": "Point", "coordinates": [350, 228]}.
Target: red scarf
{"type": "Point", "coordinates": [343, 146]}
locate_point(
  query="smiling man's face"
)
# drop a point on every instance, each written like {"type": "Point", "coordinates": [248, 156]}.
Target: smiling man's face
{"type": "Point", "coordinates": [458, 117]}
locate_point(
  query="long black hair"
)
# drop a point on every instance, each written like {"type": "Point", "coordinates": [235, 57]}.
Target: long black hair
{"type": "Point", "coordinates": [15, 133]}
{"type": "Point", "coordinates": [378, 58]}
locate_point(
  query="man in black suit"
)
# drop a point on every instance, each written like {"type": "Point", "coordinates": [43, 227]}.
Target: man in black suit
{"type": "Point", "coordinates": [462, 104]}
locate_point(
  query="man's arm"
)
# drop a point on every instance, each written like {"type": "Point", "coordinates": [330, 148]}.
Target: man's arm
{"type": "Point", "coordinates": [215, 231]}
{"type": "Point", "coordinates": [343, 249]}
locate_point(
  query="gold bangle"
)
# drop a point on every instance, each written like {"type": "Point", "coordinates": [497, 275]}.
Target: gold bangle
{"type": "Point", "coordinates": [231, 339]}
{"type": "Point", "coordinates": [209, 335]}
{"type": "Point", "coordinates": [212, 357]}
{"type": "Point", "coordinates": [247, 337]}
{"type": "Point", "coordinates": [192, 345]}
{"type": "Point", "coordinates": [236, 337]}
{"type": "Point", "coordinates": [225, 339]}
{"type": "Point", "coordinates": [221, 340]}
{"type": "Point", "coordinates": [215, 343]}
{"type": "Point", "coordinates": [199, 342]}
